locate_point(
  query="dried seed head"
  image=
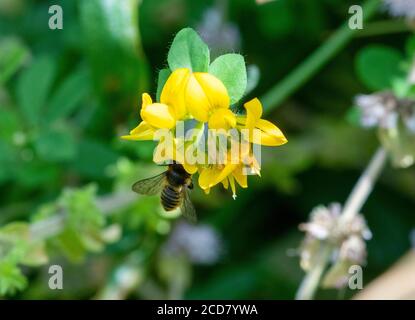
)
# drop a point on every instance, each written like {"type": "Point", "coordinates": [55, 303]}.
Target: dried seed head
{"type": "Point", "coordinates": [326, 227]}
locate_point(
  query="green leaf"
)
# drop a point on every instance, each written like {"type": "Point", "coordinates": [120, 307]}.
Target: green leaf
{"type": "Point", "coordinates": [231, 70]}
{"type": "Point", "coordinates": [33, 88]}
{"type": "Point", "coordinates": [162, 78]}
{"type": "Point", "coordinates": [68, 96]}
{"type": "Point", "coordinates": [24, 250]}
{"type": "Point", "coordinates": [82, 209]}
{"type": "Point", "coordinates": [11, 278]}
{"type": "Point", "coordinates": [6, 162]}
{"type": "Point", "coordinates": [70, 243]}
{"type": "Point", "coordinates": [188, 51]}
{"type": "Point", "coordinates": [410, 46]}
{"type": "Point", "coordinates": [36, 255]}
{"type": "Point", "coordinates": [9, 123]}
{"type": "Point", "coordinates": [37, 174]}
{"type": "Point", "coordinates": [94, 158]}
{"type": "Point", "coordinates": [56, 145]}
{"type": "Point", "coordinates": [13, 54]}
{"type": "Point", "coordinates": [377, 66]}
{"type": "Point", "coordinates": [112, 44]}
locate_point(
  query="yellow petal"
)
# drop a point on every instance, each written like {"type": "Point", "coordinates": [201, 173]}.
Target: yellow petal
{"type": "Point", "coordinates": [173, 92]}
{"type": "Point", "coordinates": [253, 112]}
{"type": "Point", "coordinates": [240, 177]}
{"type": "Point", "coordinates": [146, 100]}
{"type": "Point", "coordinates": [271, 135]}
{"type": "Point", "coordinates": [190, 168]}
{"type": "Point", "coordinates": [159, 115]}
{"type": "Point", "coordinates": [208, 177]}
{"type": "Point", "coordinates": [205, 92]}
{"type": "Point", "coordinates": [225, 172]}
{"type": "Point", "coordinates": [222, 119]}
{"type": "Point", "coordinates": [225, 183]}
{"type": "Point", "coordinates": [142, 132]}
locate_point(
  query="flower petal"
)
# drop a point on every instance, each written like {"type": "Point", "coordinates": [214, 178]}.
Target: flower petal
{"type": "Point", "coordinates": [225, 172]}
{"type": "Point", "coordinates": [205, 92]}
{"type": "Point", "coordinates": [190, 168]}
{"type": "Point", "coordinates": [271, 135]}
{"type": "Point", "coordinates": [142, 132]}
{"type": "Point", "coordinates": [208, 177]}
{"type": "Point", "coordinates": [253, 112]}
{"type": "Point", "coordinates": [173, 92]}
{"type": "Point", "coordinates": [222, 119]}
{"type": "Point", "coordinates": [225, 183]}
{"type": "Point", "coordinates": [146, 100]}
{"type": "Point", "coordinates": [159, 115]}
{"type": "Point", "coordinates": [240, 177]}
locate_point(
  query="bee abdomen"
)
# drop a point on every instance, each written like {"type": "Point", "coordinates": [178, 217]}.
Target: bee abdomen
{"type": "Point", "coordinates": [170, 198]}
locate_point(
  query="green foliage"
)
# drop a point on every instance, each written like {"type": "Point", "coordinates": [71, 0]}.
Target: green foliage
{"type": "Point", "coordinates": [56, 144]}
{"type": "Point", "coordinates": [93, 158]}
{"type": "Point", "coordinates": [230, 69]}
{"type": "Point", "coordinates": [11, 278]}
{"type": "Point", "coordinates": [188, 51]}
{"type": "Point", "coordinates": [68, 96]}
{"type": "Point", "coordinates": [33, 88]}
{"type": "Point", "coordinates": [17, 248]}
{"type": "Point", "coordinates": [161, 81]}
{"type": "Point", "coordinates": [13, 54]}
{"type": "Point", "coordinates": [112, 45]}
{"type": "Point", "coordinates": [83, 223]}
{"type": "Point", "coordinates": [377, 66]}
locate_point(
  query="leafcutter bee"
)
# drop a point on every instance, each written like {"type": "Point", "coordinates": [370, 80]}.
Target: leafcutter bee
{"type": "Point", "coordinates": [173, 186]}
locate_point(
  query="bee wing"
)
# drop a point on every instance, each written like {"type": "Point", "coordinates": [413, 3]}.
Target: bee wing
{"type": "Point", "coordinates": [150, 186]}
{"type": "Point", "coordinates": [187, 208]}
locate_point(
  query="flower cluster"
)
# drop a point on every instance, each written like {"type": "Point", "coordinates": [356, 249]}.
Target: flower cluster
{"type": "Point", "coordinates": [395, 119]}
{"type": "Point", "coordinates": [384, 110]}
{"type": "Point", "coordinates": [194, 114]}
{"type": "Point", "coordinates": [400, 8]}
{"type": "Point", "coordinates": [326, 228]}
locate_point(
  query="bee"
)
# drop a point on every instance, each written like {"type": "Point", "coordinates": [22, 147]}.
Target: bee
{"type": "Point", "coordinates": [173, 186]}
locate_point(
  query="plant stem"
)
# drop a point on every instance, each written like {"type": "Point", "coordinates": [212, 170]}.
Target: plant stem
{"type": "Point", "coordinates": [353, 205]}
{"type": "Point", "coordinates": [282, 90]}
{"type": "Point", "coordinates": [312, 278]}
{"type": "Point", "coordinates": [364, 185]}
{"type": "Point", "coordinates": [384, 27]}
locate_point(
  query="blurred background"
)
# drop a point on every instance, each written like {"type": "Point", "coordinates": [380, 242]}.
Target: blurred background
{"type": "Point", "coordinates": [66, 96]}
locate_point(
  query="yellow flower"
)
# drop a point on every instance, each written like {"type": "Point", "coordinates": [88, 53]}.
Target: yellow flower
{"type": "Point", "coordinates": [228, 173]}
{"type": "Point", "coordinates": [270, 134]}
{"type": "Point", "coordinates": [165, 114]}
{"type": "Point", "coordinates": [208, 101]}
